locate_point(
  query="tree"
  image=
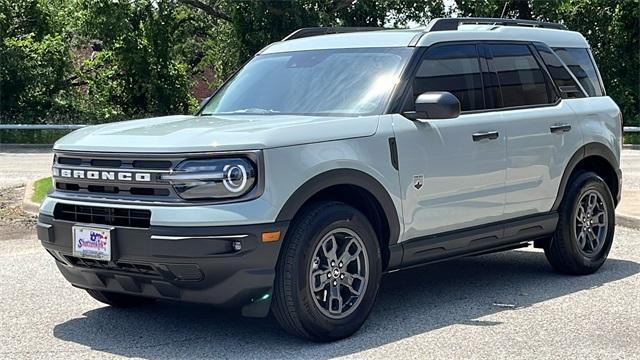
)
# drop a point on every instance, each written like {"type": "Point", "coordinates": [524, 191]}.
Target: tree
{"type": "Point", "coordinates": [137, 69]}
{"type": "Point", "coordinates": [34, 57]}
{"type": "Point", "coordinates": [102, 60]}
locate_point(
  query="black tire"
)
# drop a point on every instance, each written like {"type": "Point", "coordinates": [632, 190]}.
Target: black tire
{"type": "Point", "coordinates": [294, 304]}
{"type": "Point", "coordinates": [564, 252]}
{"type": "Point", "coordinates": [119, 300]}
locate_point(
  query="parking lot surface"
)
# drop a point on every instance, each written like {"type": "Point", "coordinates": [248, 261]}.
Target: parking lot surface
{"type": "Point", "coordinates": [505, 305]}
{"type": "Point", "coordinates": [498, 306]}
{"type": "Point", "coordinates": [19, 165]}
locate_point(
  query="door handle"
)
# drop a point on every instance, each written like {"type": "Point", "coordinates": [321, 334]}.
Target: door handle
{"type": "Point", "coordinates": [490, 135]}
{"type": "Point", "coordinates": [560, 128]}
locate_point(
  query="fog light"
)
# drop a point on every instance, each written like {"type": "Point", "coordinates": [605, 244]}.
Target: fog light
{"type": "Point", "coordinates": [237, 245]}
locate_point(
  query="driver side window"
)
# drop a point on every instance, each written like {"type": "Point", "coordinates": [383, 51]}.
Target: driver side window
{"type": "Point", "coordinates": [454, 68]}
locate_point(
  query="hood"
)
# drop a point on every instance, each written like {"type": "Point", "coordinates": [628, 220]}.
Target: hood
{"type": "Point", "coordinates": [187, 133]}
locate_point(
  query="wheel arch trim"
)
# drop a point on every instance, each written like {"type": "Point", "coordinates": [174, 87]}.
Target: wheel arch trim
{"type": "Point", "coordinates": [337, 177]}
{"type": "Point", "coordinates": [588, 150]}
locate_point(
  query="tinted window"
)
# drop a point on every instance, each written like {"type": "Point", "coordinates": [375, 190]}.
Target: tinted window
{"type": "Point", "coordinates": [452, 68]}
{"type": "Point", "coordinates": [489, 80]}
{"type": "Point", "coordinates": [561, 77]}
{"type": "Point", "coordinates": [521, 79]}
{"type": "Point", "coordinates": [579, 62]}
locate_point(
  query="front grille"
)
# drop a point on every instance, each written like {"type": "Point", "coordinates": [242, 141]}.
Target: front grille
{"type": "Point", "coordinates": [152, 164]}
{"type": "Point", "coordinates": [106, 163]}
{"type": "Point", "coordinates": [84, 174]}
{"type": "Point", "coordinates": [69, 161]}
{"type": "Point", "coordinates": [103, 215]}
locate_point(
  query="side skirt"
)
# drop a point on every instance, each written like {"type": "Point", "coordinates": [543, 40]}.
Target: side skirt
{"type": "Point", "coordinates": [476, 240]}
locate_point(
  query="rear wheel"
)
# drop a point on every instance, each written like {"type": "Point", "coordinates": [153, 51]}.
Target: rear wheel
{"type": "Point", "coordinates": [586, 227]}
{"type": "Point", "coordinates": [328, 273]}
{"type": "Point", "coordinates": [119, 300]}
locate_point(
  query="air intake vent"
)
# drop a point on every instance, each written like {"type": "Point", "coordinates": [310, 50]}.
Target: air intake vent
{"type": "Point", "coordinates": [107, 163]}
{"type": "Point", "coordinates": [69, 161]}
{"type": "Point", "coordinates": [103, 215]}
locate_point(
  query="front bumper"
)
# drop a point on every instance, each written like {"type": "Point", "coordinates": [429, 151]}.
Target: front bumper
{"type": "Point", "coordinates": [194, 264]}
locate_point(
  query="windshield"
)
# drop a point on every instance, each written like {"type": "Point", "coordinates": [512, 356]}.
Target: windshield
{"type": "Point", "coordinates": [349, 82]}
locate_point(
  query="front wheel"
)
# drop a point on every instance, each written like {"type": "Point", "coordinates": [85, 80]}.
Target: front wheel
{"type": "Point", "coordinates": [585, 229]}
{"type": "Point", "coordinates": [328, 273]}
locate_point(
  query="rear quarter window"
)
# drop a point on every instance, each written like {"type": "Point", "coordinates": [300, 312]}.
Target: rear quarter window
{"type": "Point", "coordinates": [522, 82]}
{"type": "Point", "coordinates": [565, 82]}
{"type": "Point", "coordinates": [579, 61]}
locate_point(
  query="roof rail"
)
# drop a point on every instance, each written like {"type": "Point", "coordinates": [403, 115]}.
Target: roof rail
{"type": "Point", "coordinates": [445, 24]}
{"type": "Point", "coordinates": [315, 31]}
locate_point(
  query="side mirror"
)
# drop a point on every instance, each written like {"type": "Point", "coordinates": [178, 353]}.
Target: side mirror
{"type": "Point", "coordinates": [434, 105]}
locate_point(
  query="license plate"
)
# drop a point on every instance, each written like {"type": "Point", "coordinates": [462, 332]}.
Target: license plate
{"type": "Point", "coordinates": [92, 242]}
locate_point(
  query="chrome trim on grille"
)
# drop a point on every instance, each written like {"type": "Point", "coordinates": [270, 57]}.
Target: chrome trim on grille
{"type": "Point", "coordinates": [156, 191]}
{"type": "Point", "coordinates": [97, 168]}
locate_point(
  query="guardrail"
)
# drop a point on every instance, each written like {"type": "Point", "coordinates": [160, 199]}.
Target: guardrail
{"type": "Point", "coordinates": [40, 127]}
{"type": "Point", "coordinates": [627, 129]}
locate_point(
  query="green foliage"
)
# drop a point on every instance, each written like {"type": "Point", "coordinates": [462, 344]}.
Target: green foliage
{"type": "Point", "coordinates": [34, 59]}
{"type": "Point", "coordinates": [632, 138]}
{"type": "Point", "coordinates": [41, 188]}
{"type": "Point", "coordinates": [32, 72]}
{"type": "Point", "coordinates": [138, 71]}
{"type": "Point", "coordinates": [91, 61]}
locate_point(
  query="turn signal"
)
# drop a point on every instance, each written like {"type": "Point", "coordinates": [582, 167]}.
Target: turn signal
{"type": "Point", "coordinates": [270, 236]}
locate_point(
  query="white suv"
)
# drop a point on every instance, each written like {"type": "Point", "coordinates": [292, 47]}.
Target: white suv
{"type": "Point", "coordinates": [328, 160]}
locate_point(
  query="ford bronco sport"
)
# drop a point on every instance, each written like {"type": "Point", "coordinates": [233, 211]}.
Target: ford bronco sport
{"type": "Point", "coordinates": [340, 154]}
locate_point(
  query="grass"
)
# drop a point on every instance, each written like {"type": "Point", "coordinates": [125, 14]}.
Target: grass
{"type": "Point", "coordinates": [632, 138]}
{"type": "Point", "coordinates": [41, 189]}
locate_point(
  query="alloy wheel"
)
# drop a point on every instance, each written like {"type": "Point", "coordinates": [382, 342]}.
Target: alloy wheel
{"type": "Point", "coordinates": [591, 223]}
{"type": "Point", "coordinates": [339, 273]}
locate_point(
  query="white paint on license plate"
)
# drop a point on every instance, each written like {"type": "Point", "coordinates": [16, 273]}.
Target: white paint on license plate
{"type": "Point", "coordinates": [92, 243]}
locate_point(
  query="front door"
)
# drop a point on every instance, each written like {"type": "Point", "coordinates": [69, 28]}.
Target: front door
{"type": "Point", "coordinates": [452, 171]}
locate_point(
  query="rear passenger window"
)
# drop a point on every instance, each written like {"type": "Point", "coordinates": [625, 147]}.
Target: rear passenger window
{"type": "Point", "coordinates": [522, 81]}
{"type": "Point", "coordinates": [560, 75]}
{"type": "Point", "coordinates": [579, 62]}
{"type": "Point", "coordinates": [452, 68]}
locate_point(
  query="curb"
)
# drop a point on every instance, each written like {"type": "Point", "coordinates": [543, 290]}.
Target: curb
{"type": "Point", "coordinates": [28, 205]}
{"type": "Point", "coordinates": [628, 221]}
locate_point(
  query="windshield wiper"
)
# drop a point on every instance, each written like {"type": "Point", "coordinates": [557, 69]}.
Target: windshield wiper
{"type": "Point", "coordinates": [247, 111]}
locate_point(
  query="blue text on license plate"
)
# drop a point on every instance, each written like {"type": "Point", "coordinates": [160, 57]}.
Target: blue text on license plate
{"type": "Point", "coordinates": [92, 242]}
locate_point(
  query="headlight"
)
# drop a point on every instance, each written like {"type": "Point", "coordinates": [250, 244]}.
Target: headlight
{"type": "Point", "coordinates": [207, 179]}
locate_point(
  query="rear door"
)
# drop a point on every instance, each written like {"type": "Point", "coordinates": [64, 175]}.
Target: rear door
{"type": "Point", "coordinates": [541, 130]}
{"type": "Point", "coordinates": [452, 171]}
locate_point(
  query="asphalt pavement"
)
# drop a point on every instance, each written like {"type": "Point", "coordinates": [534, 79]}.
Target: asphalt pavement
{"type": "Point", "coordinates": [499, 306]}
{"type": "Point", "coordinates": [19, 165]}
{"type": "Point", "coordinates": [506, 305]}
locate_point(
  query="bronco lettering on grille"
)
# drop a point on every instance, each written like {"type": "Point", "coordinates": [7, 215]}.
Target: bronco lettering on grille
{"type": "Point", "coordinates": [102, 175]}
